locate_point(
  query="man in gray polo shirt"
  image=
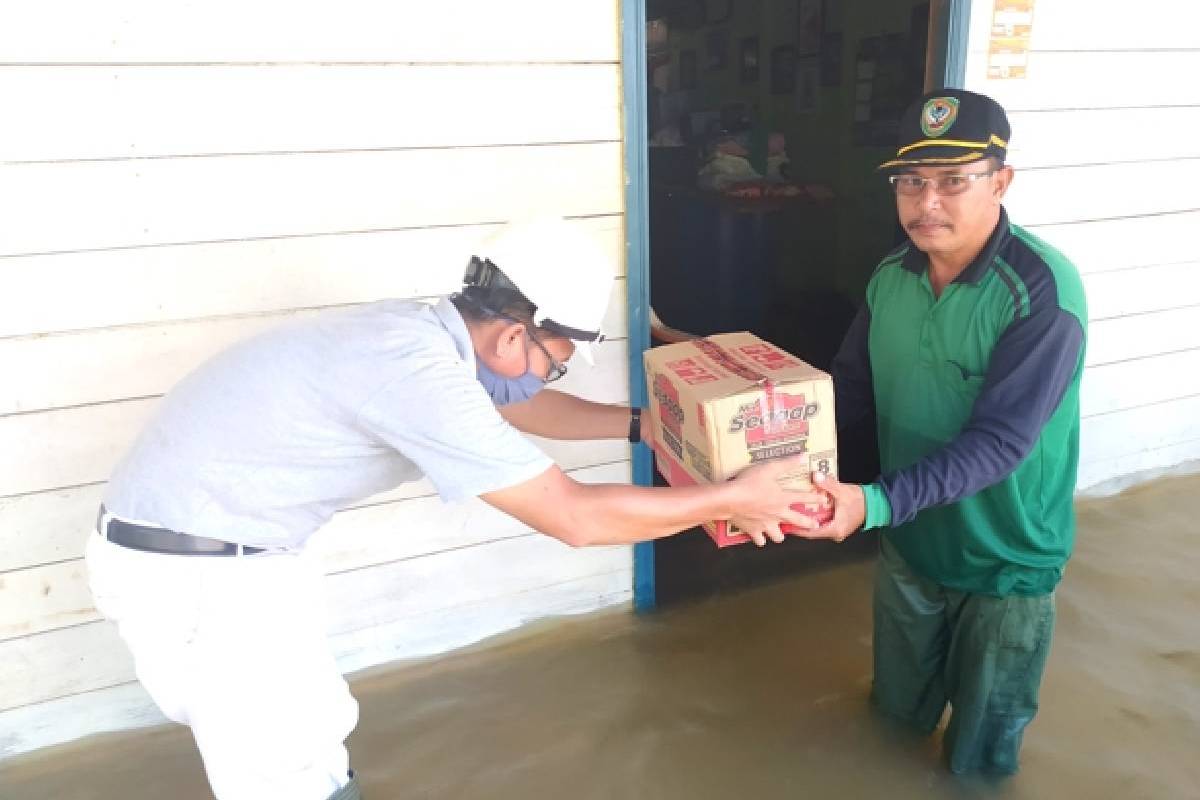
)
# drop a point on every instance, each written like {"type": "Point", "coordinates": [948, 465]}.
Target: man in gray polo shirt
{"type": "Point", "coordinates": [199, 555]}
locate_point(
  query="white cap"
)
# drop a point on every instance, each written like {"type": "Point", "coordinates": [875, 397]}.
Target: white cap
{"type": "Point", "coordinates": [561, 270]}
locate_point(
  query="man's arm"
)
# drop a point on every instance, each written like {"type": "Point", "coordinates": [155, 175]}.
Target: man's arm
{"type": "Point", "coordinates": [854, 393]}
{"type": "Point", "coordinates": [595, 514]}
{"type": "Point", "coordinates": [665, 333]}
{"type": "Point", "coordinates": [557, 415]}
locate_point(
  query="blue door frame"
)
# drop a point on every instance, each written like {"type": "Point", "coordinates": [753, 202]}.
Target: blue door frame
{"type": "Point", "coordinates": [637, 259]}
{"type": "Point", "coordinates": [950, 36]}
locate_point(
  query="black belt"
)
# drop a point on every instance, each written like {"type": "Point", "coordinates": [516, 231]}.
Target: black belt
{"type": "Point", "coordinates": [161, 540]}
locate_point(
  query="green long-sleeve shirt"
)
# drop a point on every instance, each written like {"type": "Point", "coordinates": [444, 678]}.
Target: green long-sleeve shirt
{"type": "Point", "coordinates": [975, 396]}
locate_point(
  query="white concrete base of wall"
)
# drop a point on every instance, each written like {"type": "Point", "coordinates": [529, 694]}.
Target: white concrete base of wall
{"type": "Point", "coordinates": [128, 706]}
{"type": "Point", "coordinates": [1121, 483]}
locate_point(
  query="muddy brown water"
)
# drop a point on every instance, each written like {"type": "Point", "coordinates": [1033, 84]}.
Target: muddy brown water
{"type": "Point", "coordinates": [759, 694]}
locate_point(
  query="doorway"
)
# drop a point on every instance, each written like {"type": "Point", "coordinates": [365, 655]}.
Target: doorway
{"type": "Point", "coordinates": [753, 129]}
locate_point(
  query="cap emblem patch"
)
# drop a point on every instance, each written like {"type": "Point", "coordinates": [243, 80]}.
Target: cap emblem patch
{"type": "Point", "coordinates": [938, 115]}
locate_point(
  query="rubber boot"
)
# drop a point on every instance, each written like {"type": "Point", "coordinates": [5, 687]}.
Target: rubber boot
{"type": "Point", "coordinates": [349, 791]}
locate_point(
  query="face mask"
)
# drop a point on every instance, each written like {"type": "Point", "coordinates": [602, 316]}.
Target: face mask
{"type": "Point", "coordinates": [508, 390]}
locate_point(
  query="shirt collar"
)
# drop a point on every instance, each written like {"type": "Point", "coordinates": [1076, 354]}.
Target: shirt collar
{"type": "Point", "coordinates": [454, 324]}
{"type": "Point", "coordinates": [917, 262]}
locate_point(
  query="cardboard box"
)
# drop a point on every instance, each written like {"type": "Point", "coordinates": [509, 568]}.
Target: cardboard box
{"type": "Point", "coordinates": [723, 403]}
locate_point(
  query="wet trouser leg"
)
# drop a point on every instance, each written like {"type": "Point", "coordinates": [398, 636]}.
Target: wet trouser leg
{"type": "Point", "coordinates": [983, 655]}
{"type": "Point", "coordinates": [993, 673]}
{"type": "Point", "coordinates": [911, 641]}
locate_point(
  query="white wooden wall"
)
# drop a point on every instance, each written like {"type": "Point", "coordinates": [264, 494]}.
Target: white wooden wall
{"type": "Point", "coordinates": [1106, 146]}
{"type": "Point", "coordinates": [177, 175]}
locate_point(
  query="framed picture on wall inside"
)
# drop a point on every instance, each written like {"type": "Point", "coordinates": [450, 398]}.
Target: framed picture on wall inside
{"type": "Point", "coordinates": [808, 82]}
{"type": "Point", "coordinates": [688, 15]}
{"type": "Point", "coordinates": [783, 69]}
{"type": "Point", "coordinates": [687, 69]}
{"type": "Point", "coordinates": [749, 60]}
{"type": "Point", "coordinates": [831, 59]}
{"type": "Point", "coordinates": [718, 10]}
{"type": "Point", "coordinates": [716, 49]}
{"type": "Point", "coordinates": [811, 27]}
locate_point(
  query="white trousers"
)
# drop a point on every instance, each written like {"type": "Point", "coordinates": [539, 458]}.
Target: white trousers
{"type": "Point", "coordinates": [235, 648]}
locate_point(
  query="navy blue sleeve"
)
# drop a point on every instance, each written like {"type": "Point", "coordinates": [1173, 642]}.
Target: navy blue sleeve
{"type": "Point", "coordinates": [854, 394]}
{"type": "Point", "coordinates": [1030, 369]}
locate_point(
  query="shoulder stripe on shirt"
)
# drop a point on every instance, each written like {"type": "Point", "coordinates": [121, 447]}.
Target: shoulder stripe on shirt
{"type": "Point", "coordinates": [894, 257]}
{"type": "Point", "coordinates": [1036, 274]}
{"type": "Point", "coordinates": [1016, 286]}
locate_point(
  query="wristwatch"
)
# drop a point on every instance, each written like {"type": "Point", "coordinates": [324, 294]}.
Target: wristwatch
{"type": "Point", "coordinates": [635, 425]}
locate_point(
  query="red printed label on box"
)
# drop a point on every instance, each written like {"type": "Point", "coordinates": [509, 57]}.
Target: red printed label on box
{"type": "Point", "coordinates": [768, 357]}
{"type": "Point", "coordinates": [691, 371]}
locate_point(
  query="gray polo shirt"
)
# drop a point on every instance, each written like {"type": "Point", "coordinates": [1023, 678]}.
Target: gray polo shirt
{"type": "Point", "coordinates": [262, 444]}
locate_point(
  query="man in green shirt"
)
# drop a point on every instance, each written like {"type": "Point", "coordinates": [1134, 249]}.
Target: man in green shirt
{"type": "Point", "coordinates": [968, 354]}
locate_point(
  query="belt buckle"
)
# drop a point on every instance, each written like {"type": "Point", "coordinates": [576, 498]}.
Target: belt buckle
{"type": "Point", "coordinates": [103, 518]}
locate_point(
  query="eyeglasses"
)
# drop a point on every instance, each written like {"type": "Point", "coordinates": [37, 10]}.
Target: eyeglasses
{"type": "Point", "coordinates": [557, 368]}
{"type": "Point", "coordinates": [911, 185]}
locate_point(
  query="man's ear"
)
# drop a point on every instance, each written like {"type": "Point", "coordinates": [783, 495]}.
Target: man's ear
{"type": "Point", "coordinates": [510, 337]}
{"type": "Point", "coordinates": [1004, 179]}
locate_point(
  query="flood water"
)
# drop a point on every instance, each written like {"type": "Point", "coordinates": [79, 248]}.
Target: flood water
{"type": "Point", "coordinates": [760, 694]}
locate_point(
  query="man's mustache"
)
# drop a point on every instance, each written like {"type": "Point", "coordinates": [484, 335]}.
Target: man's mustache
{"type": "Point", "coordinates": [926, 221]}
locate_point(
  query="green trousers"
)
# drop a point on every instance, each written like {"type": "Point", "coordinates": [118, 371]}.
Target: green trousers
{"type": "Point", "coordinates": [983, 655]}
